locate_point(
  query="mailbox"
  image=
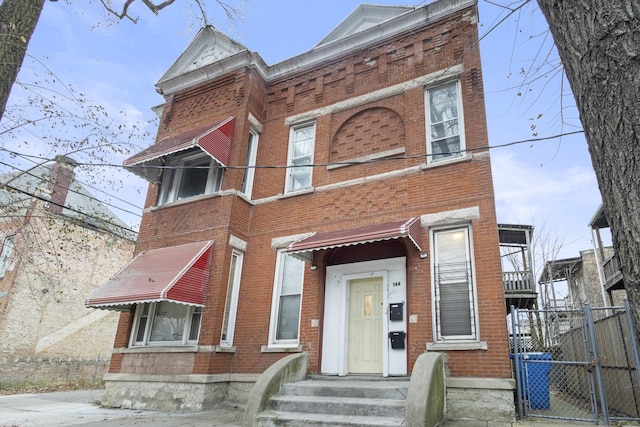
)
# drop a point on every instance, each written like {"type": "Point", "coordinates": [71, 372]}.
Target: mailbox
{"type": "Point", "coordinates": [395, 311]}
{"type": "Point", "coordinates": [397, 340]}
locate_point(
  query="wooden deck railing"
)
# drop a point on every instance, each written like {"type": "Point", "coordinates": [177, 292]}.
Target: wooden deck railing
{"type": "Point", "coordinates": [611, 267]}
{"type": "Point", "coordinates": [518, 281]}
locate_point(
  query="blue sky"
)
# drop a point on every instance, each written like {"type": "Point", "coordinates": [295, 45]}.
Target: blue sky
{"type": "Point", "coordinates": [548, 184]}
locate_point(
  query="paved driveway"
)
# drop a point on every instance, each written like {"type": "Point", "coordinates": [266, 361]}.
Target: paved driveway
{"type": "Point", "coordinates": [81, 408]}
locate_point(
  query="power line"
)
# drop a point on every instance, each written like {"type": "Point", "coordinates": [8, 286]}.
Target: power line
{"type": "Point", "coordinates": [46, 200]}
{"type": "Point", "coordinates": [90, 197]}
{"type": "Point", "coordinates": [345, 163]}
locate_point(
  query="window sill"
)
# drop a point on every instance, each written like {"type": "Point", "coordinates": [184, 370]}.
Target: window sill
{"type": "Point", "coordinates": [468, 345]}
{"type": "Point", "coordinates": [293, 349]}
{"type": "Point", "coordinates": [187, 200]}
{"type": "Point", "coordinates": [443, 162]}
{"type": "Point", "coordinates": [296, 193]}
{"type": "Point", "coordinates": [225, 349]}
{"type": "Point", "coordinates": [158, 349]}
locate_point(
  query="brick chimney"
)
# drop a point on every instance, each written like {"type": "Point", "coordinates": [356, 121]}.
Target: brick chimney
{"type": "Point", "coordinates": [61, 176]}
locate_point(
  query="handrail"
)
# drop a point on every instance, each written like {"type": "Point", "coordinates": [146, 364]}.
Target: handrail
{"type": "Point", "coordinates": [518, 281]}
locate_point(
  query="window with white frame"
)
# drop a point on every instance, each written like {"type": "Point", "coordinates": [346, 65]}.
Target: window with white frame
{"type": "Point", "coordinates": [453, 285]}
{"type": "Point", "coordinates": [287, 297]}
{"type": "Point", "coordinates": [445, 136]}
{"type": "Point", "coordinates": [166, 323]}
{"type": "Point", "coordinates": [5, 255]}
{"type": "Point", "coordinates": [231, 303]}
{"type": "Point", "coordinates": [249, 172]}
{"type": "Point", "coordinates": [301, 146]}
{"type": "Point", "coordinates": [189, 174]}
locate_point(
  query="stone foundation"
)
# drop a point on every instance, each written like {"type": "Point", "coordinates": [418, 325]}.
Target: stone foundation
{"type": "Point", "coordinates": [39, 370]}
{"type": "Point", "coordinates": [484, 399]}
{"type": "Point", "coordinates": [178, 393]}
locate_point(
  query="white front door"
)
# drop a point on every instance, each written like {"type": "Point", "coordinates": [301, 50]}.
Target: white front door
{"type": "Point", "coordinates": [365, 326]}
{"type": "Point", "coordinates": [356, 319]}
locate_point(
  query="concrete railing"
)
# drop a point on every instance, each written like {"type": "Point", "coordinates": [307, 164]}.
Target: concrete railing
{"type": "Point", "coordinates": [287, 369]}
{"type": "Point", "coordinates": [425, 406]}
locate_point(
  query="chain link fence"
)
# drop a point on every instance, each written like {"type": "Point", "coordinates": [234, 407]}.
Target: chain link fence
{"type": "Point", "coordinates": [576, 364]}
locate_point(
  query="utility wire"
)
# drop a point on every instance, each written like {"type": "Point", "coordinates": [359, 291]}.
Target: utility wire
{"type": "Point", "coordinates": [44, 199]}
{"type": "Point", "coordinates": [90, 197]}
{"type": "Point", "coordinates": [345, 163]}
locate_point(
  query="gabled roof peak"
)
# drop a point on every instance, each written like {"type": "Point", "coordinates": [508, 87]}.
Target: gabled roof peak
{"type": "Point", "coordinates": [208, 47]}
{"type": "Point", "coordinates": [362, 18]}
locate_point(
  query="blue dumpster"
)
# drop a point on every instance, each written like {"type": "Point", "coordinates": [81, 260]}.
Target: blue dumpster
{"type": "Point", "coordinates": [534, 378]}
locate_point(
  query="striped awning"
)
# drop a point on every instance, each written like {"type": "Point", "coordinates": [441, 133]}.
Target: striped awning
{"type": "Point", "coordinates": [177, 274]}
{"type": "Point", "coordinates": [214, 140]}
{"type": "Point", "coordinates": [408, 228]}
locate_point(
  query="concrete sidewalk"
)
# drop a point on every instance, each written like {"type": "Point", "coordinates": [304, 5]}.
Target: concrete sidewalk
{"type": "Point", "coordinates": [81, 408]}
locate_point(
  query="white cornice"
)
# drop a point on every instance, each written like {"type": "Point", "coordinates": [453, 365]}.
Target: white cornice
{"type": "Point", "coordinates": [320, 54]}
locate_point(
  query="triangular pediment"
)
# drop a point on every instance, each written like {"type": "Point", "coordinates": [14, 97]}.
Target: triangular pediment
{"type": "Point", "coordinates": [208, 47]}
{"type": "Point", "coordinates": [362, 18]}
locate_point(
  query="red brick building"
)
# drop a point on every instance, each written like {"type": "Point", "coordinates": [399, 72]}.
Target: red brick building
{"type": "Point", "coordinates": [339, 203]}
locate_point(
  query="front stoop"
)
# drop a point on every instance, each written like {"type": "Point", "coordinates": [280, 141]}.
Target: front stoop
{"type": "Point", "coordinates": [337, 402]}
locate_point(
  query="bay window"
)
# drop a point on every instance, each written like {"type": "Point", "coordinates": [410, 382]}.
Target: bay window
{"type": "Point", "coordinates": [190, 174]}
{"type": "Point", "coordinates": [166, 323]}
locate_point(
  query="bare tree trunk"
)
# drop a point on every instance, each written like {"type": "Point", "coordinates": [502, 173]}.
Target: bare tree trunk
{"type": "Point", "coordinates": [599, 44]}
{"type": "Point", "coordinates": [18, 19]}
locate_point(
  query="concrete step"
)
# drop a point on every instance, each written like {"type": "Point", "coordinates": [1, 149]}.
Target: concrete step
{"type": "Point", "coordinates": [337, 402]}
{"type": "Point", "coordinates": [298, 419]}
{"type": "Point", "coordinates": [339, 405]}
{"type": "Point", "coordinates": [348, 388]}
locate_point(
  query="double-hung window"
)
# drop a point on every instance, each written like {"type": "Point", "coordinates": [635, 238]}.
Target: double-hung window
{"type": "Point", "coordinates": [454, 293]}
{"type": "Point", "coordinates": [190, 174]}
{"type": "Point", "coordinates": [445, 136]}
{"type": "Point", "coordinates": [287, 297]}
{"type": "Point", "coordinates": [5, 255]}
{"type": "Point", "coordinates": [166, 323]}
{"type": "Point", "coordinates": [231, 303]}
{"type": "Point", "coordinates": [250, 170]}
{"type": "Point", "coordinates": [301, 146]}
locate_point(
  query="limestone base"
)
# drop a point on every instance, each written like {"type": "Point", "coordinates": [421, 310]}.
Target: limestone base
{"type": "Point", "coordinates": [176, 393]}
{"type": "Point", "coordinates": [483, 399]}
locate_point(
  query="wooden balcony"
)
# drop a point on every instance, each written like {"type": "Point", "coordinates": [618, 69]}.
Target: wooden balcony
{"type": "Point", "coordinates": [612, 274]}
{"type": "Point", "coordinates": [519, 289]}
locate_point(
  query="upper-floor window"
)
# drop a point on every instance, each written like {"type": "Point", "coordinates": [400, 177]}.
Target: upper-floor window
{"type": "Point", "coordinates": [5, 255]}
{"type": "Point", "coordinates": [249, 172]}
{"type": "Point", "coordinates": [189, 174]}
{"type": "Point", "coordinates": [453, 285]}
{"type": "Point", "coordinates": [301, 146]}
{"type": "Point", "coordinates": [166, 323]}
{"type": "Point", "coordinates": [445, 136]}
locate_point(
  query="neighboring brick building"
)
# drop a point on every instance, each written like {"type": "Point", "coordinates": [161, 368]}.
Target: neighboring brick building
{"type": "Point", "coordinates": [242, 260]}
{"type": "Point", "coordinates": [58, 244]}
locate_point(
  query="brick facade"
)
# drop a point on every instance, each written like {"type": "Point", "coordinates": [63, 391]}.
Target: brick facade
{"type": "Point", "coordinates": [367, 103]}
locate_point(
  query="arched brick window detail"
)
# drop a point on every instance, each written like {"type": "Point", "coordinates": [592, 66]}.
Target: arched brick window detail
{"type": "Point", "coordinates": [367, 132]}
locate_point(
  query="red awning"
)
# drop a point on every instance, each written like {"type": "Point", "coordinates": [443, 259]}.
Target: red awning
{"type": "Point", "coordinates": [178, 274]}
{"type": "Point", "coordinates": [215, 140]}
{"type": "Point", "coordinates": [304, 248]}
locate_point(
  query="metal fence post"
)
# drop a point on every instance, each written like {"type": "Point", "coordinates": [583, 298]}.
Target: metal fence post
{"type": "Point", "coordinates": [596, 363]}
{"type": "Point", "coordinates": [515, 333]}
{"type": "Point", "coordinates": [632, 338]}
